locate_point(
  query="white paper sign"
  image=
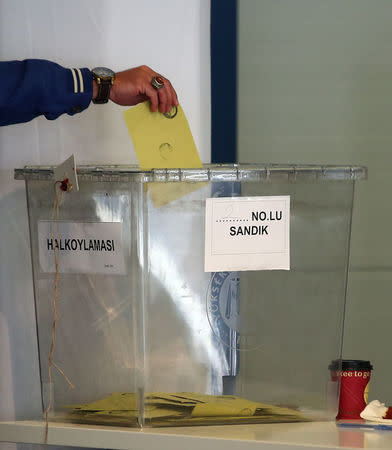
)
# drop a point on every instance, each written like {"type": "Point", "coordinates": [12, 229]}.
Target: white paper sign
{"type": "Point", "coordinates": [89, 248]}
{"type": "Point", "coordinates": [247, 233]}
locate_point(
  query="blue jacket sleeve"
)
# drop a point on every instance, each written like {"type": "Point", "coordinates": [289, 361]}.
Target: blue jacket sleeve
{"type": "Point", "coordinates": [35, 87]}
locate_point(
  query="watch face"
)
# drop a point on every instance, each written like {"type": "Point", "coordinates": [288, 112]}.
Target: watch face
{"type": "Point", "coordinates": [103, 72]}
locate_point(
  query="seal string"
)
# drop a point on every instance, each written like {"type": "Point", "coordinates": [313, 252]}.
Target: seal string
{"type": "Point", "coordinates": [55, 217]}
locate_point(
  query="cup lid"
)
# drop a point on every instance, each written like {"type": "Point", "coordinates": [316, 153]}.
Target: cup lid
{"type": "Point", "coordinates": [353, 364]}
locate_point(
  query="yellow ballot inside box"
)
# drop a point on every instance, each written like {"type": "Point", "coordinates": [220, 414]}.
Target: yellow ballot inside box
{"type": "Point", "coordinates": [183, 407]}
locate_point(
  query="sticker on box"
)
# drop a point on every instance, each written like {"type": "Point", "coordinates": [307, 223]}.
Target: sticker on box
{"type": "Point", "coordinates": [247, 233]}
{"type": "Point", "coordinates": [89, 248]}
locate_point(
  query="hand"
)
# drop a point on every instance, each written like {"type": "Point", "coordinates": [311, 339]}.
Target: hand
{"type": "Point", "coordinates": [133, 86]}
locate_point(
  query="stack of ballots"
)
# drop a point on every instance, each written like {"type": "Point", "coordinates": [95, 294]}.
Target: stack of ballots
{"type": "Point", "coordinates": [184, 408]}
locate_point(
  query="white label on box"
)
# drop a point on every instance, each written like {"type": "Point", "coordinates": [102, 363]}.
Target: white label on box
{"type": "Point", "coordinates": [247, 233]}
{"type": "Point", "coordinates": [89, 248]}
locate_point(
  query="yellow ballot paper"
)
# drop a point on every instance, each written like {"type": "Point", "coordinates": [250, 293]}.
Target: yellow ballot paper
{"type": "Point", "coordinates": [185, 408]}
{"type": "Point", "coordinates": [162, 142]}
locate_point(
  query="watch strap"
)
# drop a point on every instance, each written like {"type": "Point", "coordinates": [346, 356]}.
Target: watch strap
{"type": "Point", "coordinates": [104, 78]}
{"type": "Point", "coordinates": [103, 92]}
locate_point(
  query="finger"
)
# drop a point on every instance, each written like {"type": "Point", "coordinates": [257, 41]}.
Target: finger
{"type": "Point", "coordinates": [169, 104]}
{"type": "Point", "coordinates": [163, 100]}
{"type": "Point", "coordinates": [170, 99]}
{"type": "Point", "coordinates": [174, 96]}
{"type": "Point", "coordinates": [153, 97]}
{"type": "Point", "coordinates": [165, 95]}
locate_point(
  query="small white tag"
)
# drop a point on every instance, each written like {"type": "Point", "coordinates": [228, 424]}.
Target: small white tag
{"type": "Point", "coordinates": [90, 248]}
{"type": "Point", "coordinates": [247, 233]}
{"type": "Point", "coordinates": [67, 170]}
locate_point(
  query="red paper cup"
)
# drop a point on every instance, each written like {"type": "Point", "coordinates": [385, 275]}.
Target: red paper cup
{"type": "Point", "coordinates": [354, 377]}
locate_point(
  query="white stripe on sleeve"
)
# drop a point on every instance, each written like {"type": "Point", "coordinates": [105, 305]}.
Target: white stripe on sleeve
{"type": "Point", "coordinates": [75, 81]}
{"type": "Point", "coordinates": [81, 84]}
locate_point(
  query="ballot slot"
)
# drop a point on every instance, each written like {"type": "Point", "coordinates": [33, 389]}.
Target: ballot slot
{"type": "Point", "coordinates": [163, 342]}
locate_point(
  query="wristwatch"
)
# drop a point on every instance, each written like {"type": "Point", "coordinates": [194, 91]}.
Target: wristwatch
{"type": "Point", "coordinates": [104, 78]}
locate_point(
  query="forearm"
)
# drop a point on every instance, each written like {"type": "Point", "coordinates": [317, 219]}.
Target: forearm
{"type": "Point", "coordinates": [35, 87]}
{"type": "Point", "coordinates": [95, 90]}
{"type": "Point", "coordinates": [38, 87]}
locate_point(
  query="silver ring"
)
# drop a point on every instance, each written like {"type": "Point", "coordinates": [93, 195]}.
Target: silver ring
{"type": "Point", "coordinates": [157, 82]}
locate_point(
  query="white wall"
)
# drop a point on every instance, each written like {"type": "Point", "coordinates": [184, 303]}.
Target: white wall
{"type": "Point", "coordinates": [171, 36]}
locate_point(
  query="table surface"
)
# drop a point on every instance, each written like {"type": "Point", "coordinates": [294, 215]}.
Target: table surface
{"type": "Point", "coordinates": [314, 435]}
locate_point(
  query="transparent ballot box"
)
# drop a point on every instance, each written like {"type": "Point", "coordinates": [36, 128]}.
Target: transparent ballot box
{"type": "Point", "coordinates": [190, 296]}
